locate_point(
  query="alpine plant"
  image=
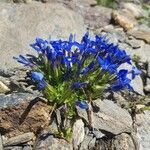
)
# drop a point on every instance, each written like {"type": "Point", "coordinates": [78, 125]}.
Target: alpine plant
{"type": "Point", "coordinates": [71, 73]}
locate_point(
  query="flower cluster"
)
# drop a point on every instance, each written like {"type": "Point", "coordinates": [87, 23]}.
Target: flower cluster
{"type": "Point", "coordinates": [70, 72]}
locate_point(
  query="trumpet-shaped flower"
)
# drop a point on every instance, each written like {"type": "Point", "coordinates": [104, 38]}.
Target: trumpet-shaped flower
{"type": "Point", "coordinates": [82, 104]}
{"type": "Point", "coordinates": [23, 60]}
{"type": "Point", "coordinates": [37, 76]}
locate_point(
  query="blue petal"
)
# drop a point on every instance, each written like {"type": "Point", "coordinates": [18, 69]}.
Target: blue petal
{"type": "Point", "coordinates": [37, 76]}
{"type": "Point", "coordinates": [42, 85]}
{"type": "Point", "coordinates": [82, 104]}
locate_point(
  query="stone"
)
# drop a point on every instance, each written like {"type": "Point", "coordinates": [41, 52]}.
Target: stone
{"type": "Point", "coordinates": [106, 117]}
{"type": "Point", "coordinates": [119, 142]}
{"type": "Point", "coordinates": [14, 99]}
{"type": "Point", "coordinates": [6, 72]}
{"type": "Point", "coordinates": [28, 147]}
{"type": "Point", "coordinates": [47, 141]}
{"type": "Point", "coordinates": [135, 10]}
{"type": "Point", "coordinates": [91, 144]}
{"type": "Point", "coordinates": [78, 133]}
{"type": "Point", "coordinates": [3, 88]}
{"type": "Point", "coordinates": [86, 142]}
{"type": "Point", "coordinates": [27, 116]}
{"type": "Point", "coordinates": [1, 143]}
{"type": "Point", "coordinates": [125, 22]}
{"type": "Point", "coordinates": [19, 28]}
{"type": "Point", "coordinates": [96, 17]}
{"type": "Point", "coordinates": [148, 69]}
{"type": "Point", "coordinates": [20, 139]}
{"type": "Point", "coordinates": [13, 148]}
{"type": "Point", "coordinates": [140, 34]}
{"type": "Point", "coordinates": [143, 130]}
{"type": "Point", "coordinates": [123, 142]}
{"type": "Point", "coordinates": [142, 52]}
{"type": "Point", "coordinates": [120, 100]}
{"type": "Point", "coordinates": [97, 134]}
{"type": "Point", "coordinates": [134, 43]}
{"type": "Point", "coordinates": [147, 88]}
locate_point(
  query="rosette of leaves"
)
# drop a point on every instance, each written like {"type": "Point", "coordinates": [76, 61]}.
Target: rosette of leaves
{"type": "Point", "coordinates": [71, 73]}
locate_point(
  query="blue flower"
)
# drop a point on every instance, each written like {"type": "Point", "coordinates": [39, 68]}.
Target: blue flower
{"type": "Point", "coordinates": [42, 85]}
{"type": "Point", "coordinates": [82, 104]}
{"type": "Point", "coordinates": [40, 45]}
{"type": "Point", "coordinates": [23, 60]}
{"type": "Point", "coordinates": [37, 76]}
{"type": "Point", "coordinates": [88, 68]}
{"type": "Point", "coordinates": [107, 65]}
{"type": "Point", "coordinates": [135, 71]}
{"type": "Point", "coordinates": [121, 82]}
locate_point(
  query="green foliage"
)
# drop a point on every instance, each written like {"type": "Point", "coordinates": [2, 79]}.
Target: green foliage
{"type": "Point", "coordinates": [107, 3]}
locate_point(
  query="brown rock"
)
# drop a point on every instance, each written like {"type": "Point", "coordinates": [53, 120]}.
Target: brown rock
{"type": "Point", "coordinates": [125, 22]}
{"type": "Point", "coordinates": [26, 117]}
{"type": "Point", "coordinates": [141, 34]}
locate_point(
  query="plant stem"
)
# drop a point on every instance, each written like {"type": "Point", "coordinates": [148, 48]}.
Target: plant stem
{"type": "Point", "coordinates": [53, 108]}
{"type": "Point", "coordinates": [89, 112]}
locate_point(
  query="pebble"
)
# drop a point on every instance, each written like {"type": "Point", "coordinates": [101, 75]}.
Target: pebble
{"type": "Point", "coordinates": [122, 20]}
{"type": "Point", "coordinates": [3, 88]}
{"type": "Point", "coordinates": [147, 88]}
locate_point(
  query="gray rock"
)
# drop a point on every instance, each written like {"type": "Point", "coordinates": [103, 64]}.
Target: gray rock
{"type": "Point", "coordinates": [123, 142]}
{"type": "Point", "coordinates": [120, 142]}
{"type": "Point", "coordinates": [147, 88]}
{"type": "Point", "coordinates": [14, 99]}
{"type": "Point", "coordinates": [120, 100]}
{"type": "Point", "coordinates": [78, 133]}
{"type": "Point", "coordinates": [143, 130]}
{"type": "Point", "coordinates": [86, 142]}
{"type": "Point", "coordinates": [148, 69]}
{"type": "Point", "coordinates": [53, 128]}
{"type": "Point", "coordinates": [142, 52]}
{"type": "Point", "coordinates": [47, 141]}
{"type": "Point", "coordinates": [134, 43]}
{"type": "Point", "coordinates": [107, 118]}
{"type": "Point", "coordinates": [1, 143]}
{"type": "Point", "coordinates": [20, 139]}
{"type": "Point", "coordinates": [6, 72]}
{"type": "Point", "coordinates": [141, 34]}
{"type": "Point", "coordinates": [98, 134]}
{"type": "Point", "coordinates": [19, 28]}
{"type": "Point", "coordinates": [28, 147]}
{"type": "Point", "coordinates": [135, 10]}
{"type": "Point", "coordinates": [13, 148]}
{"type": "Point", "coordinates": [91, 144]}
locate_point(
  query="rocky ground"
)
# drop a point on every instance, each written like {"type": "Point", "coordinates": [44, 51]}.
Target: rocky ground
{"type": "Point", "coordinates": [121, 120]}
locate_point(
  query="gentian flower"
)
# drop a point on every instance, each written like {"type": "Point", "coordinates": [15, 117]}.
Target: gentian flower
{"type": "Point", "coordinates": [37, 76]}
{"type": "Point", "coordinates": [88, 68]}
{"type": "Point", "coordinates": [122, 81]}
{"type": "Point", "coordinates": [42, 85]}
{"type": "Point", "coordinates": [23, 60]}
{"type": "Point", "coordinates": [135, 71]}
{"type": "Point", "coordinates": [40, 45]}
{"type": "Point", "coordinates": [82, 104]}
{"type": "Point", "coordinates": [106, 64]}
